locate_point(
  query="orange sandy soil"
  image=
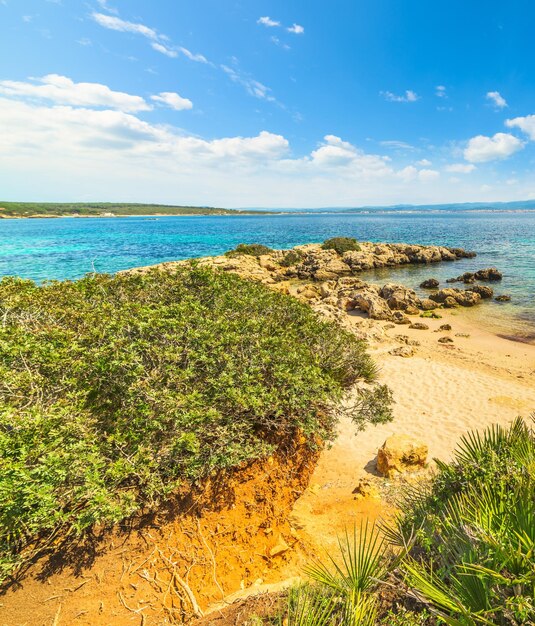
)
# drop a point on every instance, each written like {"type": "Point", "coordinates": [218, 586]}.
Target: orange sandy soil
{"type": "Point", "coordinates": [175, 564]}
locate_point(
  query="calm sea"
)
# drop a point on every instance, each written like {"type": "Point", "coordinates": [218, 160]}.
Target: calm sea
{"type": "Point", "coordinates": [67, 248]}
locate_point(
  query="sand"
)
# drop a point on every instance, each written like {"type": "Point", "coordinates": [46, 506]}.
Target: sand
{"type": "Point", "coordinates": [441, 392]}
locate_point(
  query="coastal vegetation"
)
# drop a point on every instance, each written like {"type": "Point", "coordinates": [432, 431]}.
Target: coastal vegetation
{"type": "Point", "coordinates": [460, 553]}
{"type": "Point", "coordinates": [115, 391]}
{"type": "Point", "coordinates": [341, 244]}
{"type": "Point", "coordinates": [103, 209]}
{"type": "Point", "coordinates": [249, 249]}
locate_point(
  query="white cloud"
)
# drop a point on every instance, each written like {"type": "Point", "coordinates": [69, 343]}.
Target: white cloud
{"type": "Point", "coordinates": [173, 101]}
{"type": "Point", "coordinates": [85, 41]}
{"type": "Point", "coordinates": [159, 47]}
{"type": "Point", "coordinates": [440, 91]}
{"type": "Point", "coordinates": [62, 90]}
{"type": "Point", "coordinates": [267, 21]}
{"type": "Point", "coordinates": [253, 87]}
{"type": "Point", "coordinates": [296, 29]}
{"type": "Point", "coordinates": [158, 41]}
{"type": "Point", "coordinates": [411, 173]}
{"type": "Point", "coordinates": [67, 147]}
{"type": "Point", "coordinates": [116, 23]}
{"type": "Point", "coordinates": [498, 100]}
{"type": "Point", "coordinates": [526, 124]}
{"type": "Point", "coordinates": [104, 5]}
{"type": "Point", "coordinates": [397, 145]}
{"type": "Point", "coordinates": [502, 145]}
{"type": "Point", "coordinates": [460, 168]}
{"type": "Point", "coordinates": [424, 162]}
{"type": "Point", "coordinates": [409, 96]}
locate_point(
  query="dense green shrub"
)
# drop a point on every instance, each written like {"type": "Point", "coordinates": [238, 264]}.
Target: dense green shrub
{"type": "Point", "coordinates": [292, 257]}
{"type": "Point", "coordinates": [341, 244]}
{"type": "Point", "coordinates": [115, 390]}
{"type": "Point", "coordinates": [251, 249]}
{"type": "Point", "coordinates": [471, 532]}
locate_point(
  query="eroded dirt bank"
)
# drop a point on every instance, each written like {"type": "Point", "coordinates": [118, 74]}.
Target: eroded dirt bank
{"type": "Point", "coordinates": [169, 567]}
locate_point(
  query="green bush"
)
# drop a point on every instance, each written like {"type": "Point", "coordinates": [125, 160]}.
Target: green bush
{"type": "Point", "coordinates": [292, 257]}
{"type": "Point", "coordinates": [471, 532]}
{"type": "Point", "coordinates": [341, 244]}
{"type": "Point", "coordinates": [250, 249]}
{"type": "Point", "coordinates": [116, 390]}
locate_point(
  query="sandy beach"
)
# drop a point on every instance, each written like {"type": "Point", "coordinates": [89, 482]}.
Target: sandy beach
{"type": "Point", "coordinates": [441, 392]}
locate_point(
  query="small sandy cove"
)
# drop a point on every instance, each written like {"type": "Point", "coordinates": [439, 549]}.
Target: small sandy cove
{"type": "Point", "coordinates": [441, 392]}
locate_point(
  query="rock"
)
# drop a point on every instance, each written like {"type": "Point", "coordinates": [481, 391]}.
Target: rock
{"type": "Point", "coordinates": [445, 340]}
{"type": "Point", "coordinates": [372, 303]}
{"type": "Point", "coordinates": [401, 453]}
{"type": "Point", "coordinates": [412, 310]}
{"type": "Point", "coordinates": [445, 327]}
{"type": "Point", "coordinates": [430, 283]}
{"type": "Point", "coordinates": [403, 351]}
{"type": "Point", "coordinates": [400, 318]}
{"type": "Point", "coordinates": [484, 291]}
{"type": "Point", "coordinates": [419, 326]}
{"type": "Point", "coordinates": [465, 335]}
{"type": "Point", "coordinates": [503, 298]}
{"type": "Point", "coordinates": [365, 489]}
{"type": "Point", "coordinates": [399, 297]}
{"type": "Point", "coordinates": [279, 548]}
{"type": "Point", "coordinates": [490, 273]}
{"type": "Point", "coordinates": [450, 297]}
{"type": "Point", "coordinates": [428, 305]}
{"type": "Point", "coordinates": [389, 326]}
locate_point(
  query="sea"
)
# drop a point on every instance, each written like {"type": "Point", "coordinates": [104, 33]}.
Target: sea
{"type": "Point", "coordinates": [68, 248]}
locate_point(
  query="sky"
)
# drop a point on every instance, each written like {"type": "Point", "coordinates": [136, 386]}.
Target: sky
{"type": "Point", "coordinates": [280, 103]}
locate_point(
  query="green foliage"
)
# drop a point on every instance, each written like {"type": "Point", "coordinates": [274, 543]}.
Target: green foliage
{"type": "Point", "coordinates": [116, 390]}
{"type": "Point", "coordinates": [341, 244]}
{"type": "Point", "coordinates": [471, 532]}
{"type": "Point", "coordinates": [251, 249]}
{"type": "Point", "coordinates": [94, 209]}
{"type": "Point", "coordinates": [431, 314]}
{"type": "Point", "coordinates": [404, 617]}
{"type": "Point", "coordinates": [292, 257]}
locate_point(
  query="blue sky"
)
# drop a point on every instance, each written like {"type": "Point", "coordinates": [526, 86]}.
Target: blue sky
{"type": "Point", "coordinates": [256, 103]}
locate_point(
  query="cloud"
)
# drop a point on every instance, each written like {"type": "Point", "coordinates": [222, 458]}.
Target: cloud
{"type": "Point", "coordinates": [411, 173]}
{"type": "Point", "coordinates": [409, 96]}
{"type": "Point", "coordinates": [104, 5]}
{"type": "Point", "coordinates": [424, 162]}
{"type": "Point", "coordinates": [268, 22]}
{"type": "Point", "coordinates": [159, 47]}
{"type": "Point", "coordinates": [336, 153]}
{"type": "Point", "coordinates": [502, 145]}
{"type": "Point", "coordinates": [526, 124]}
{"type": "Point", "coordinates": [460, 168]}
{"type": "Point", "coordinates": [173, 101]}
{"type": "Point", "coordinates": [158, 41]}
{"type": "Point", "coordinates": [62, 90]}
{"type": "Point", "coordinates": [296, 29]}
{"type": "Point", "coordinates": [397, 145]}
{"type": "Point", "coordinates": [440, 91]}
{"type": "Point", "coordinates": [116, 23]}
{"type": "Point", "coordinates": [253, 87]}
{"type": "Point", "coordinates": [498, 101]}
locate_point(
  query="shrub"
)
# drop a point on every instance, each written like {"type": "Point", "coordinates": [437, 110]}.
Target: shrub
{"type": "Point", "coordinates": [292, 257]}
{"type": "Point", "coordinates": [251, 249]}
{"type": "Point", "coordinates": [471, 533]}
{"type": "Point", "coordinates": [116, 390]}
{"type": "Point", "coordinates": [341, 244]}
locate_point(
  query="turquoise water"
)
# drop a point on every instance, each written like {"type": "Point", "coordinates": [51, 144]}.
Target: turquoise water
{"type": "Point", "coordinates": [43, 249]}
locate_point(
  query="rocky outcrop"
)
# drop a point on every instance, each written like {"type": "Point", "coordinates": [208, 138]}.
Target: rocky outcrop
{"type": "Point", "coordinates": [503, 298]}
{"type": "Point", "coordinates": [451, 297]}
{"type": "Point", "coordinates": [483, 290]}
{"type": "Point", "coordinates": [488, 274]}
{"type": "Point", "coordinates": [401, 453]}
{"type": "Point", "coordinates": [430, 283]}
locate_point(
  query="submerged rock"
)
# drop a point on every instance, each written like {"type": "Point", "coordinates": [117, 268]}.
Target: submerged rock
{"type": "Point", "coordinates": [503, 298]}
{"type": "Point", "coordinates": [430, 283]}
